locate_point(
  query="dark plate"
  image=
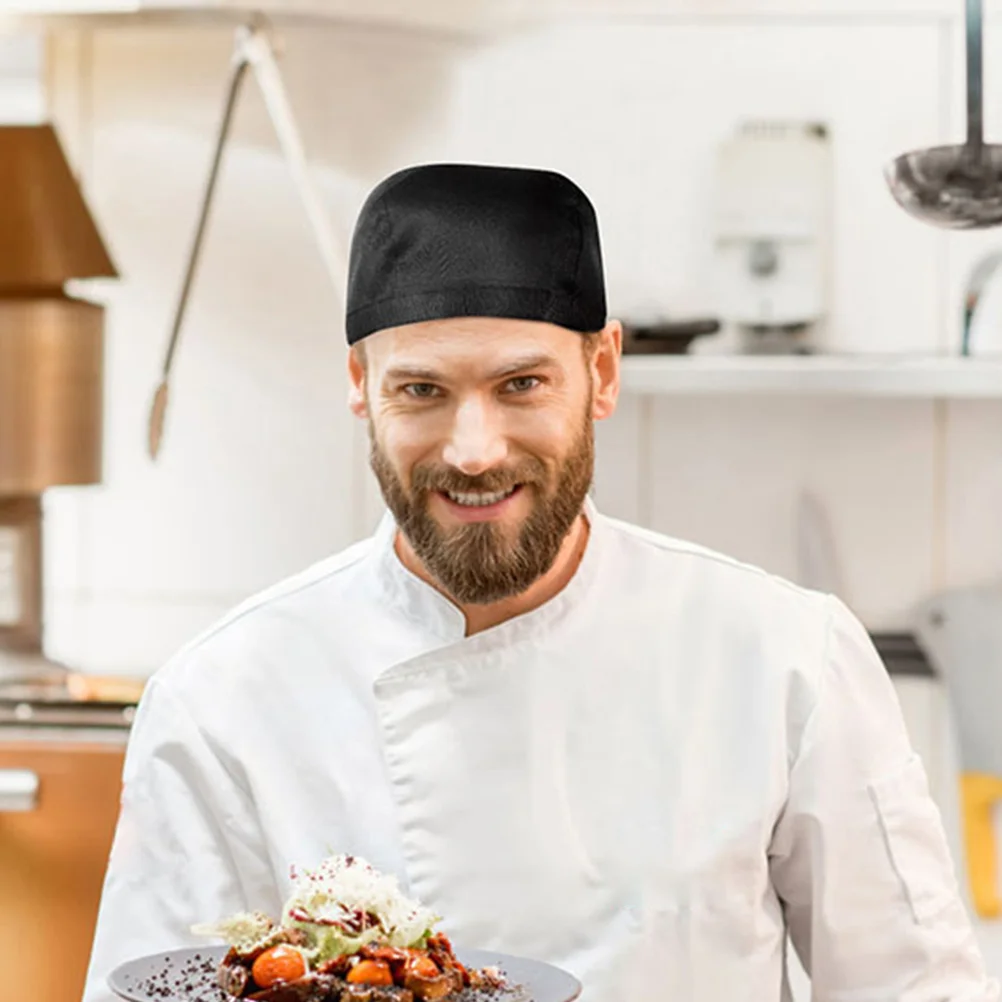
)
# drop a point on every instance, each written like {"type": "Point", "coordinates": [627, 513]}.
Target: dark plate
{"type": "Point", "coordinates": [189, 976]}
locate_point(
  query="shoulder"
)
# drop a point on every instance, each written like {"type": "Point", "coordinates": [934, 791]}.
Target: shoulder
{"type": "Point", "coordinates": [265, 633]}
{"type": "Point", "coordinates": [758, 621]}
{"type": "Point", "coordinates": [753, 625]}
{"type": "Point", "coordinates": [709, 575]}
{"type": "Point", "coordinates": [754, 634]}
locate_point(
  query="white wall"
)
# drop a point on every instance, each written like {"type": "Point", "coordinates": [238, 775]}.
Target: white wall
{"type": "Point", "coordinates": [22, 98]}
{"type": "Point", "coordinates": [262, 469]}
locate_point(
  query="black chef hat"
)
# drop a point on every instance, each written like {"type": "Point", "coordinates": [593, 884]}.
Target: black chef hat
{"type": "Point", "coordinates": [448, 240]}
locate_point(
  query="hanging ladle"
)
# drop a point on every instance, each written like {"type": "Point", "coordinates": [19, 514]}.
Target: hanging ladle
{"type": "Point", "coordinates": [955, 187]}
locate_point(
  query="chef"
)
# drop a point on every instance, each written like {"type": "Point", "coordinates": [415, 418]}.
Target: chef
{"type": "Point", "coordinates": [574, 739]}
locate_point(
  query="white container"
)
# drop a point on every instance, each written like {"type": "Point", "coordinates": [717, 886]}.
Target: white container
{"type": "Point", "coordinates": [773, 227]}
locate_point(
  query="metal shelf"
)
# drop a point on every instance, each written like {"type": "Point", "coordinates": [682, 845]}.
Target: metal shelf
{"type": "Point", "coordinates": [898, 376]}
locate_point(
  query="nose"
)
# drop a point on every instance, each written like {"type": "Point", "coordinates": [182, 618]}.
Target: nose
{"type": "Point", "coordinates": [476, 442]}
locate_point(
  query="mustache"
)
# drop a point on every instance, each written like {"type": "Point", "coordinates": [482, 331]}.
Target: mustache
{"type": "Point", "coordinates": [444, 478]}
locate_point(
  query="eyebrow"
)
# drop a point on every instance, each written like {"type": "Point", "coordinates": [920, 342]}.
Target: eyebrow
{"type": "Point", "coordinates": [400, 372]}
{"type": "Point", "coordinates": [424, 374]}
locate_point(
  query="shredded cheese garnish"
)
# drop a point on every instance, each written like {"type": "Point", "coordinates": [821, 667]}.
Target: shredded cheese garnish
{"type": "Point", "coordinates": [348, 893]}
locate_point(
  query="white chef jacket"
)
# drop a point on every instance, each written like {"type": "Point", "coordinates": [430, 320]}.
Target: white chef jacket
{"type": "Point", "coordinates": [650, 780]}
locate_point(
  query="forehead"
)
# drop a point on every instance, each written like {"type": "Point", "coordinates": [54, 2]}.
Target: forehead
{"type": "Point", "coordinates": [470, 346]}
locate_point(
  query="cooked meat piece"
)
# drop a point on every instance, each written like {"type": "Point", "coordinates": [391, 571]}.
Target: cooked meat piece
{"type": "Point", "coordinates": [487, 979]}
{"type": "Point", "coordinates": [402, 962]}
{"type": "Point", "coordinates": [440, 950]}
{"type": "Point", "coordinates": [312, 988]}
{"type": "Point", "coordinates": [232, 978]}
{"type": "Point", "coordinates": [433, 989]}
{"type": "Point", "coordinates": [390, 954]}
{"type": "Point", "coordinates": [375, 993]}
{"type": "Point", "coordinates": [338, 966]}
{"type": "Point", "coordinates": [439, 943]}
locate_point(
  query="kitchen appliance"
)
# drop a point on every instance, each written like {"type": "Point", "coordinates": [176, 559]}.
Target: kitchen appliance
{"type": "Point", "coordinates": [666, 337]}
{"type": "Point", "coordinates": [955, 187]}
{"type": "Point", "coordinates": [773, 233]}
{"type": "Point", "coordinates": [961, 632]}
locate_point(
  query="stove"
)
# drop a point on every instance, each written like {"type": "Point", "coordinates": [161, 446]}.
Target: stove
{"type": "Point", "coordinates": [36, 693]}
{"type": "Point", "coordinates": [27, 706]}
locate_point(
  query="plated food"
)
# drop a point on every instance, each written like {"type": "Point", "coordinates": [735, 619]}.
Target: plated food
{"type": "Point", "coordinates": [346, 934]}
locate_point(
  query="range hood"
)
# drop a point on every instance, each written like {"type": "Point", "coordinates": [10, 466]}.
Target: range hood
{"type": "Point", "coordinates": [47, 234]}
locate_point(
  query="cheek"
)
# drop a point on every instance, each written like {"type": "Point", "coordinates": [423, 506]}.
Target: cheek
{"type": "Point", "coordinates": [404, 443]}
{"type": "Point", "coordinates": [550, 433]}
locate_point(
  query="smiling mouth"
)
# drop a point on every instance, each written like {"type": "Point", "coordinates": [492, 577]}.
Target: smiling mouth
{"type": "Point", "coordinates": [480, 499]}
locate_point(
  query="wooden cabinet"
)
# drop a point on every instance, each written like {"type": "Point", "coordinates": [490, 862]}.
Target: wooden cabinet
{"type": "Point", "coordinates": [52, 861]}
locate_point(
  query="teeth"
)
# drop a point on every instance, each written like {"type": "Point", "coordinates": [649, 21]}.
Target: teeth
{"type": "Point", "coordinates": [479, 500]}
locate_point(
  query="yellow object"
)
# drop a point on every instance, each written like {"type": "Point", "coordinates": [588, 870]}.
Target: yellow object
{"type": "Point", "coordinates": [105, 689]}
{"type": "Point", "coordinates": [979, 793]}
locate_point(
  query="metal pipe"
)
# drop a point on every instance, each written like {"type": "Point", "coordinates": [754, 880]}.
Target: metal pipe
{"type": "Point", "coordinates": [975, 135]}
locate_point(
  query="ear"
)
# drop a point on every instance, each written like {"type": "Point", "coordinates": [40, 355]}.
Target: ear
{"type": "Point", "coordinates": [605, 370]}
{"type": "Point", "coordinates": [356, 383]}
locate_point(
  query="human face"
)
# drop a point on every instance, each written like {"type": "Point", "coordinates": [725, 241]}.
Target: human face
{"type": "Point", "coordinates": [482, 442]}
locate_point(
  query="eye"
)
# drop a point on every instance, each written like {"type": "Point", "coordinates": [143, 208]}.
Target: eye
{"type": "Point", "coordinates": [422, 391]}
{"type": "Point", "coordinates": [522, 384]}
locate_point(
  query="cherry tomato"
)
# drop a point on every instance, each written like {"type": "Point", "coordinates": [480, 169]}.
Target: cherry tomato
{"type": "Point", "coordinates": [280, 963]}
{"type": "Point", "coordinates": [371, 972]}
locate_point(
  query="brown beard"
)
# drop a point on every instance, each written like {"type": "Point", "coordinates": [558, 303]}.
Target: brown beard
{"type": "Point", "coordinates": [479, 563]}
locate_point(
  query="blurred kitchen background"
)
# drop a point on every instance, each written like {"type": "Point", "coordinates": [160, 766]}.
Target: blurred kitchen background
{"type": "Point", "coordinates": [835, 429]}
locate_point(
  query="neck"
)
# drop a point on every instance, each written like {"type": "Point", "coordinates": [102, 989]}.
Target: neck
{"type": "Point", "coordinates": [483, 617]}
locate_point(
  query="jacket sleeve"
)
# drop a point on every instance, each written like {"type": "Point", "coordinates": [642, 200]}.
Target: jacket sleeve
{"type": "Point", "coordinates": [859, 857]}
{"type": "Point", "coordinates": [186, 848]}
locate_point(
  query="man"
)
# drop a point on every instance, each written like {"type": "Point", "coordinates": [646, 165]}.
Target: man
{"type": "Point", "coordinates": [574, 739]}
